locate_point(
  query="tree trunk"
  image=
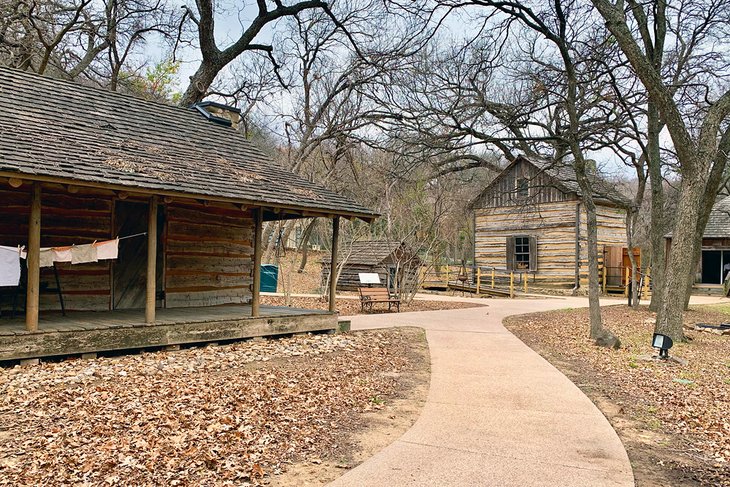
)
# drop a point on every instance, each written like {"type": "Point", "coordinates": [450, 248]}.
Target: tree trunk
{"type": "Point", "coordinates": [631, 217]}
{"type": "Point", "coordinates": [680, 266]}
{"type": "Point", "coordinates": [657, 229]}
{"type": "Point", "coordinates": [304, 245]}
{"type": "Point", "coordinates": [199, 83]}
{"type": "Point", "coordinates": [602, 336]}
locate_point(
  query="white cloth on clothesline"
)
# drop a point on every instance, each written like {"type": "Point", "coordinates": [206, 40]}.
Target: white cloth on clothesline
{"type": "Point", "coordinates": [82, 254]}
{"type": "Point", "coordinates": [108, 249]}
{"type": "Point", "coordinates": [9, 266]}
{"type": "Point", "coordinates": [46, 257]}
{"type": "Point", "coordinates": [62, 254]}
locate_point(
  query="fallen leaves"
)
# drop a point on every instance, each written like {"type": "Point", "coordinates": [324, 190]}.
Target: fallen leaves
{"type": "Point", "coordinates": [349, 307]}
{"type": "Point", "coordinates": [228, 415]}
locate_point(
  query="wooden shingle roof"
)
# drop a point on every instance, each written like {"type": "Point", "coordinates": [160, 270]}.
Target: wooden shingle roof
{"type": "Point", "coordinates": [718, 223]}
{"type": "Point", "coordinates": [58, 130]}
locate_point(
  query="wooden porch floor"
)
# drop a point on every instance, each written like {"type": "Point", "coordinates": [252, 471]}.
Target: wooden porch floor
{"type": "Point", "coordinates": [87, 332]}
{"type": "Point", "coordinates": [52, 321]}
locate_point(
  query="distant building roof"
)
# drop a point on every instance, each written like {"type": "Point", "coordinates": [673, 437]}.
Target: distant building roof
{"type": "Point", "coordinates": [718, 224]}
{"type": "Point", "coordinates": [53, 129]}
{"type": "Point", "coordinates": [563, 177]}
{"type": "Point", "coordinates": [370, 252]}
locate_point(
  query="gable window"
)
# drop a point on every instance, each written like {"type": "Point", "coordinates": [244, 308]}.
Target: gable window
{"type": "Point", "coordinates": [522, 253]}
{"type": "Point", "coordinates": [523, 188]}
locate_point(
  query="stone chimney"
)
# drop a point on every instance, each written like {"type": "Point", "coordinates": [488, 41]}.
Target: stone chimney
{"type": "Point", "coordinates": [219, 113]}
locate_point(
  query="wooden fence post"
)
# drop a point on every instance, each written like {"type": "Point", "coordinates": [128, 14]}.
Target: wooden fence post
{"type": "Point", "coordinates": [447, 275]}
{"type": "Point", "coordinates": [628, 280]}
{"type": "Point", "coordinates": [524, 276]}
{"type": "Point", "coordinates": [479, 279]}
{"type": "Point", "coordinates": [511, 284]}
{"type": "Point", "coordinates": [492, 277]}
{"type": "Point", "coordinates": [604, 279]}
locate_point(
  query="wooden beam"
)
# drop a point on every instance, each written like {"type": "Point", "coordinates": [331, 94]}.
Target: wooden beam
{"type": "Point", "coordinates": [181, 194]}
{"type": "Point", "coordinates": [34, 260]}
{"type": "Point", "coordinates": [151, 294]}
{"type": "Point", "coordinates": [333, 264]}
{"type": "Point", "coordinates": [258, 221]}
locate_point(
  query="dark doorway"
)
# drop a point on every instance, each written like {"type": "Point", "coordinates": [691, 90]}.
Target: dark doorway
{"type": "Point", "coordinates": [130, 268]}
{"type": "Point", "coordinates": [712, 267]}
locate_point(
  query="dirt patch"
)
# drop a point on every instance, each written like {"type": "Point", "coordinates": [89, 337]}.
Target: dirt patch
{"type": "Point", "coordinates": [239, 414]}
{"type": "Point", "coordinates": [349, 307]}
{"type": "Point", "coordinates": [672, 417]}
{"type": "Point", "coordinates": [309, 281]}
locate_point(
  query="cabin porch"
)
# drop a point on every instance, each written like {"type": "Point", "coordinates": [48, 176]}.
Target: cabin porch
{"type": "Point", "coordinates": [96, 331]}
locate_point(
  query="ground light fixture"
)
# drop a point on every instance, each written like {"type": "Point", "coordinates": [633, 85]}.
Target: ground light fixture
{"type": "Point", "coordinates": [663, 343]}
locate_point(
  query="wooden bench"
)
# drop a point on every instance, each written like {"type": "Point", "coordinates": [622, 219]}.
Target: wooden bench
{"type": "Point", "coordinates": [372, 295]}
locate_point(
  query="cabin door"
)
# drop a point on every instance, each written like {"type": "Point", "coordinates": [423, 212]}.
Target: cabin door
{"type": "Point", "coordinates": [712, 267]}
{"type": "Point", "coordinates": [130, 268]}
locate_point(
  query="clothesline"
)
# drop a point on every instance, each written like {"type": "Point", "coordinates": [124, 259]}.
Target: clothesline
{"type": "Point", "coordinates": [75, 254]}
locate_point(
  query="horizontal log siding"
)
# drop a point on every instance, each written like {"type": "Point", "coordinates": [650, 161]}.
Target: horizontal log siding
{"type": "Point", "coordinates": [66, 219]}
{"type": "Point", "coordinates": [208, 252]}
{"type": "Point", "coordinates": [554, 226]}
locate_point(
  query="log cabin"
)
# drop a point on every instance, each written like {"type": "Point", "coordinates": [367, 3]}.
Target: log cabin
{"type": "Point", "coordinates": [530, 220]}
{"type": "Point", "coordinates": [183, 190]}
{"type": "Point", "coordinates": [396, 264]}
{"type": "Point", "coordinates": [714, 264]}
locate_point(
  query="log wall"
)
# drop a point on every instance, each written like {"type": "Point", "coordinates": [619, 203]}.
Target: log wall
{"type": "Point", "coordinates": [66, 219]}
{"type": "Point", "coordinates": [554, 226]}
{"type": "Point", "coordinates": [206, 259]}
{"type": "Point", "coordinates": [208, 255]}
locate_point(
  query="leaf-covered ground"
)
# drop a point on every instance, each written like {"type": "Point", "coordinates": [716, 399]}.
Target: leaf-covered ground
{"type": "Point", "coordinates": [349, 307]}
{"type": "Point", "coordinates": [235, 414]}
{"type": "Point", "coordinates": [673, 418]}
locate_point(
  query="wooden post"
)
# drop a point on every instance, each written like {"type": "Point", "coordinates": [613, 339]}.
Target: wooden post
{"type": "Point", "coordinates": [524, 276]}
{"type": "Point", "coordinates": [34, 260]}
{"type": "Point", "coordinates": [447, 275]}
{"type": "Point", "coordinates": [258, 222]}
{"type": "Point", "coordinates": [647, 277]}
{"type": "Point", "coordinates": [604, 275]}
{"type": "Point", "coordinates": [492, 277]}
{"type": "Point", "coordinates": [479, 279]}
{"type": "Point", "coordinates": [151, 294]}
{"type": "Point", "coordinates": [626, 286]}
{"type": "Point", "coordinates": [333, 265]}
{"type": "Point", "coordinates": [511, 284]}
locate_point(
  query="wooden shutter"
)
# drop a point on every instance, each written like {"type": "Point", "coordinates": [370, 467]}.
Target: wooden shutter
{"type": "Point", "coordinates": [510, 253]}
{"type": "Point", "coordinates": [533, 253]}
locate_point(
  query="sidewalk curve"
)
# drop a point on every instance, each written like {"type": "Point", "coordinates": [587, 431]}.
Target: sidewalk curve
{"type": "Point", "coordinates": [497, 414]}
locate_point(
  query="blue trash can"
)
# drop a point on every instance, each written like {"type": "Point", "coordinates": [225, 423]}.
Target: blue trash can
{"type": "Point", "coordinates": [269, 278]}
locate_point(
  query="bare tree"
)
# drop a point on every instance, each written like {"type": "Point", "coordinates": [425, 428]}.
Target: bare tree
{"type": "Point", "coordinates": [695, 112]}
{"type": "Point", "coordinates": [215, 58]}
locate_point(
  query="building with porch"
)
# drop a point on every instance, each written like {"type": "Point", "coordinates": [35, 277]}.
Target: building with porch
{"type": "Point", "coordinates": [185, 193]}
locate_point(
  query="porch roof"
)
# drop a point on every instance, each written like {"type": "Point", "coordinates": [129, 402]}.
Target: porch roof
{"type": "Point", "coordinates": [54, 130]}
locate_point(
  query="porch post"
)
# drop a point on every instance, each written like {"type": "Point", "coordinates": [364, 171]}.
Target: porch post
{"type": "Point", "coordinates": [258, 221]}
{"type": "Point", "coordinates": [333, 264]}
{"type": "Point", "coordinates": [151, 295]}
{"type": "Point", "coordinates": [34, 257]}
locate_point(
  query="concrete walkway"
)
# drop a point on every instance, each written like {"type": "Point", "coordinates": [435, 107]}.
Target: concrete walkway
{"type": "Point", "coordinates": [497, 414]}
